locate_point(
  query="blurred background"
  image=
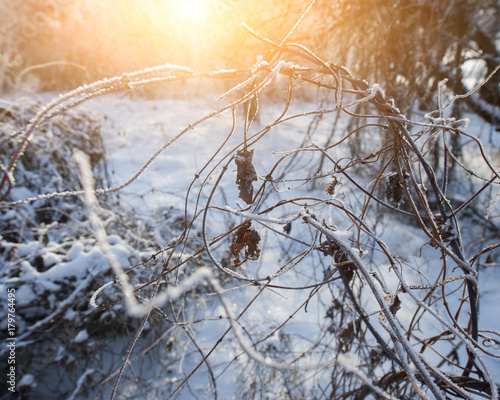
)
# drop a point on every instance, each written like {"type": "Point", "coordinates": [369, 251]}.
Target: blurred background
{"type": "Point", "coordinates": [407, 46]}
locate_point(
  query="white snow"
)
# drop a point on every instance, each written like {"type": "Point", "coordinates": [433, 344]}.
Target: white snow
{"type": "Point", "coordinates": [81, 337]}
{"type": "Point", "coordinates": [134, 130]}
{"type": "Point", "coordinates": [164, 183]}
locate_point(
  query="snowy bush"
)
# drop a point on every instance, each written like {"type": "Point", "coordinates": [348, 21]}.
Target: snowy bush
{"type": "Point", "coordinates": [50, 256]}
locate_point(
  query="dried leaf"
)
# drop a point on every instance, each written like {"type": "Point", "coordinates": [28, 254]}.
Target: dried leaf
{"type": "Point", "coordinates": [395, 305]}
{"type": "Point", "coordinates": [330, 189]}
{"type": "Point", "coordinates": [246, 238]}
{"type": "Point", "coordinates": [347, 335]}
{"type": "Point", "coordinates": [394, 189]}
{"type": "Point", "coordinates": [245, 175]}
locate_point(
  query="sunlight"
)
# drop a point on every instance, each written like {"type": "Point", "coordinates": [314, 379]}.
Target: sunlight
{"type": "Point", "coordinates": [195, 10]}
{"type": "Point", "coordinates": [133, 34]}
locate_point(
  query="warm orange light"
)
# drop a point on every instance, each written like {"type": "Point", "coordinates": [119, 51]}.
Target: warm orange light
{"type": "Point", "coordinates": [114, 36]}
{"type": "Point", "coordinates": [195, 10]}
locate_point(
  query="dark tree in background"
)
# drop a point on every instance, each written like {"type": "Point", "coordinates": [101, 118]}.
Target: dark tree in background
{"type": "Point", "coordinates": [409, 46]}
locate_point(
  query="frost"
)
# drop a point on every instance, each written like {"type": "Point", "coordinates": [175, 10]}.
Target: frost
{"type": "Point", "coordinates": [260, 64]}
{"type": "Point", "coordinates": [377, 89]}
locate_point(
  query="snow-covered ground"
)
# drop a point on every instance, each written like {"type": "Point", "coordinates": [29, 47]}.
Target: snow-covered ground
{"type": "Point", "coordinates": [286, 326]}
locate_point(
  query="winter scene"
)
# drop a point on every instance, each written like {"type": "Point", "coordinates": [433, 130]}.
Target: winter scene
{"type": "Point", "coordinates": [249, 199]}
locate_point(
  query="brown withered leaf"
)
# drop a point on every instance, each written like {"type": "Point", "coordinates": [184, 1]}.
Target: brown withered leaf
{"type": "Point", "coordinates": [245, 175]}
{"type": "Point", "coordinates": [395, 306]}
{"type": "Point", "coordinates": [347, 335]}
{"type": "Point", "coordinates": [246, 238]}
{"type": "Point", "coordinates": [330, 188]}
{"type": "Point", "coordinates": [394, 188]}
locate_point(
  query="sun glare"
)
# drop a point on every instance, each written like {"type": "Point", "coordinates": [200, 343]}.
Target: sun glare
{"type": "Point", "coordinates": [195, 10]}
{"type": "Point", "coordinates": [196, 33]}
